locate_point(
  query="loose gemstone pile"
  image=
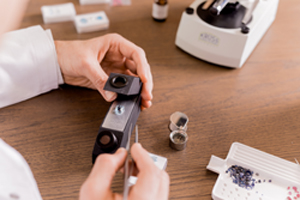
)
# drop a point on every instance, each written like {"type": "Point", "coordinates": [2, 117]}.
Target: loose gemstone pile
{"type": "Point", "coordinates": [241, 176]}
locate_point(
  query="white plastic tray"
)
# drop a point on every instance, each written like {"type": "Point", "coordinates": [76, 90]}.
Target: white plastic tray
{"type": "Point", "coordinates": [275, 178]}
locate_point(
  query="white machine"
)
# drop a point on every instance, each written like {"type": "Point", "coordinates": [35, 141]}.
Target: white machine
{"type": "Point", "coordinates": [225, 32]}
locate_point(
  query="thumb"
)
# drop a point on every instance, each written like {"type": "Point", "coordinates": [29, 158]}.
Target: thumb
{"type": "Point", "coordinates": [98, 77]}
{"type": "Point", "coordinates": [97, 185]}
{"type": "Point", "coordinates": [106, 166]}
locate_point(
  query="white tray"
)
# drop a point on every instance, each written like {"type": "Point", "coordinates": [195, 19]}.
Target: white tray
{"type": "Point", "coordinates": [279, 178]}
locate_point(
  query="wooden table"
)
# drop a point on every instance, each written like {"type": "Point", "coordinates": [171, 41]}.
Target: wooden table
{"type": "Point", "coordinates": [257, 105]}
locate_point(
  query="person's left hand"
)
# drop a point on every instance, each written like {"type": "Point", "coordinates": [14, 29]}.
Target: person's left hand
{"type": "Point", "coordinates": [88, 63]}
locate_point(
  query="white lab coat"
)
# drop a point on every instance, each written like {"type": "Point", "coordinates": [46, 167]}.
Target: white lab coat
{"type": "Point", "coordinates": [28, 67]}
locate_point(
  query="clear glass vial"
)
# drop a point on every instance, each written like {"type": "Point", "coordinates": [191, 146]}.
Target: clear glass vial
{"type": "Point", "coordinates": [160, 10]}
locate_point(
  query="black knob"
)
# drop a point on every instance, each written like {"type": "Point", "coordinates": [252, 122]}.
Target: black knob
{"type": "Point", "coordinates": [214, 11]}
{"type": "Point", "coordinates": [189, 10]}
{"type": "Point", "coordinates": [107, 141]}
{"type": "Point", "coordinates": [245, 29]}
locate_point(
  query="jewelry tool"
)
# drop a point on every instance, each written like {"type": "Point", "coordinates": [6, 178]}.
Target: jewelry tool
{"type": "Point", "coordinates": [128, 167]}
{"type": "Point", "coordinates": [122, 114]}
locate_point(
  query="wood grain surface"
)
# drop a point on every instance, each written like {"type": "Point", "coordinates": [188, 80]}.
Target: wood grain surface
{"type": "Point", "coordinates": [257, 105]}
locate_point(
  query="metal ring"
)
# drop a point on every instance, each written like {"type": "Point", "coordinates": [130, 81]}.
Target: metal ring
{"type": "Point", "coordinates": [118, 81]}
{"type": "Point", "coordinates": [178, 139]}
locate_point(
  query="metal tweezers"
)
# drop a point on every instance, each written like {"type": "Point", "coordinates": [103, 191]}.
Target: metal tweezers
{"type": "Point", "coordinates": [128, 167]}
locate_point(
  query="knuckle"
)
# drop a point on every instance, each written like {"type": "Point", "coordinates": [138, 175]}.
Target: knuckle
{"type": "Point", "coordinates": [140, 51]}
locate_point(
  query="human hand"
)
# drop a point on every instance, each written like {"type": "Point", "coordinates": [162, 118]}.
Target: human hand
{"type": "Point", "coordinates": [152, 183]}
{"type": "Point", "coordinates": [88, 63]}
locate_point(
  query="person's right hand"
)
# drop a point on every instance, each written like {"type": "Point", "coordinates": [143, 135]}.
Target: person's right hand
{"type": "Point", "coordinates": [152, 183]}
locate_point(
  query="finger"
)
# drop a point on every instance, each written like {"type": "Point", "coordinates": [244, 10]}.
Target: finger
{"type": "Point", "coordinates": [146, 104]}
{"type": "Point", "coordinates": [141, 157]}
{"type": "Point", "coordinates": [105, 168]}
{"type": "Point", "coordinates": [131, 70]}
{"type": "Point", "coordinates": [146, 99]}
{"type": "Point", "coordinates": [130, 64]}
{"type": "Point", "coordinates": [118, 196]}
{"type": "Point", "coordinates": [148, 179]}
{"type": "Point", "coordinates": [163, 192]}
{"type": "Point", "coordinates": [146, 77]}
{"type": "Point", "coordinates": [147, 87]}
{"type": "Point", "coordinates": [135, 170]}
{"type": "Point", "coordinates": [137, 55]}
{"type": "Point", "coordinates": [98, 77]}
{"type": "Point", "coordinates": [128, 72]}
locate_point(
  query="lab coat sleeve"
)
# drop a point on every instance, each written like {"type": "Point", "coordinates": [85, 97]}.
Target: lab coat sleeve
{"type": "Point", "coordinates": [16, 178]}
{"type": "Point", "coordinates": [28, 65]}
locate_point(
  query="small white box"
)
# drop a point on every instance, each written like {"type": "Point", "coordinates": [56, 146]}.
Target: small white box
{"type": "Point", "coordinates": [159, 161]}
{"type": "Point", "coordinates": [58, 13]}
{"type": "Point", "coordinates": [85, 2]}
{"type": "Point", "coordinates": [91, 22]}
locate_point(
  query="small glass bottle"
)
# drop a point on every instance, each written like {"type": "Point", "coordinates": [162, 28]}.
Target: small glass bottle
{"type": "Point", "coordinates": [160, 10]}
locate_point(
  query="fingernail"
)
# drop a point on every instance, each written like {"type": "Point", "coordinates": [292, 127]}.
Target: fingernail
{"type": "Point", "coordinates": [146, 105]}
{"type": "Point", "coordinates": [138, 144]}
{"type": "Point", "coordinates": [121, 150]}
{"type": "Point", "coordinates": [110, 95]}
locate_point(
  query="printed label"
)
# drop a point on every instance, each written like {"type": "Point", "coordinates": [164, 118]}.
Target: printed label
{"type": "Point", "coordinates": [160, 12]}
{"type": "Point", "coordinates": [209, 38]}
